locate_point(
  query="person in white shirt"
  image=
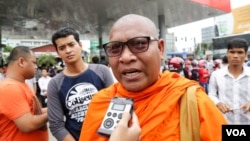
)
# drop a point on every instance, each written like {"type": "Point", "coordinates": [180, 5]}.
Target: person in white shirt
{"type": "Point", "coordinates": [32, 84]}
{"type": "Point", "coordinates": [43, 82]}
{"type": "Point", "coordinates": [112, 74]}
{"type": "Point", "coordinates": [224, 62]}
{"type": "Point", "coordinates": [229, 87]}
{"type": "Point", "coordinates": [1, 73]}
{"type": "Point", "coordinates": [210, 63]}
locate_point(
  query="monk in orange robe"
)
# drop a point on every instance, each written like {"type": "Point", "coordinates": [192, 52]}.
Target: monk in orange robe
{"type": "Point", "coordinates": [135, 56]}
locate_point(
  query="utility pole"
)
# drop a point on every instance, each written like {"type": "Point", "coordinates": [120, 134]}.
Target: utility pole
{"type": "Point", "coordinates": [162, 25]}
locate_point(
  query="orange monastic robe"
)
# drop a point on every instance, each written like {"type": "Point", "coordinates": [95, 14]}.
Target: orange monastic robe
{"type": "Point", "coordinates": [158, 110]}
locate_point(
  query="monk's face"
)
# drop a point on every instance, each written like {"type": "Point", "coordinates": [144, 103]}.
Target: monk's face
{"type": "Point", "coordinates": [136, 71]}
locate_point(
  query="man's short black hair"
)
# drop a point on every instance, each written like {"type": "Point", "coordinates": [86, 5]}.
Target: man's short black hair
{"type": "Point", "coordinates": [238, 43]}
{"type": "Point", "coordinates": [224, 59]}
{"type": "Point", "coordinates": [95, 60]}
{"type": "Point", "coordinates": [64, 32]}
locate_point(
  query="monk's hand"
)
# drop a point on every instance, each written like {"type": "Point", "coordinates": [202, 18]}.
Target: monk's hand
{"type": "Point", "coordinates": [224, 108]}
{"type": "Point", "coordinates": [246, 107]}
{"type": "Point", "coordinates": [123, 132]}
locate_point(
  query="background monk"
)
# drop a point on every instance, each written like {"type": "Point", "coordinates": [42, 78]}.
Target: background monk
{"type": "Point", "coordinates": [135, 54]}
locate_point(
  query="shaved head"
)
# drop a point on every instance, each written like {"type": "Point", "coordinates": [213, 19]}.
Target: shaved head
{"type": "Point", "coordinates": [132, 20]}
{"type": "Point", "coordinates": [19, 51]}
{"type": "Point", "coordinates": [136, 71]}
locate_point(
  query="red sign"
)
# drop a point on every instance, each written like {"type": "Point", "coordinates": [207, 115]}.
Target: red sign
{"type": "Point", "coordinates": [223, 5]}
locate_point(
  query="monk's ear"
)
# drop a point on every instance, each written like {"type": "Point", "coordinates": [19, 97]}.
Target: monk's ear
{"type": "Point", "coordinates": [161, 45]}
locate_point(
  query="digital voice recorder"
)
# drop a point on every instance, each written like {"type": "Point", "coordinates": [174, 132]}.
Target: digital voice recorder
{"type": "Point", "coordinates": [117, 106]}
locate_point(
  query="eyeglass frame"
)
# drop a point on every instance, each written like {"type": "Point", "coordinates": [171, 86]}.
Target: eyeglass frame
{"type": "Point", "coordinates": [149, 38]}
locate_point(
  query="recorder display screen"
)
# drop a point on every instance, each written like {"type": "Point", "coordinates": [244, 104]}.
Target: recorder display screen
{"type": "Point", "coordinates": [119, 107]}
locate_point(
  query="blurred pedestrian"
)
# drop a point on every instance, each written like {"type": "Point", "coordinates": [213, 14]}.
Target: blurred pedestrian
{"type": "Point", "coordinates": [187, 69]}
{"type": "Point", "coordinates": [176, 64]}
{"type": "Point", "coordinates": [195, 70]}
{"type": "Point", "coordinates": [224, 62]}
{"type": "Point", "coordinates": [164, 66]}
{"type": "Point", "coordinates": [32, 83]}
{"type": "Point", "coordinates": [43, 83]}
{"type": "Point", "coordinates": [1, 73]}
{"type": "Point", "coordinates": [204, 74]}
{"type": "Point", "coordinates": [95, 60]}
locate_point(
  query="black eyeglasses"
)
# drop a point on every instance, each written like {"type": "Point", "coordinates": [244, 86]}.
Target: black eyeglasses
{"type": "Point", "coordinates": [135, 45]}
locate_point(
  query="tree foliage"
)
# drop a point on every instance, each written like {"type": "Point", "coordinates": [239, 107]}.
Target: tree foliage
{"type": "Point", "coordinates": [7, 49]}
{"type": "Point", "coordinates": [202, 48]}
{"type": "Point", "coordinates": [46, 60]}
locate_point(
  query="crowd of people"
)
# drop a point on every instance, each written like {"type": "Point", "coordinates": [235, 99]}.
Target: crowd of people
{"type": "Point", "coordinates": [225, 80]}
{"type": "Point", "coordinates": [189, 100]}
{"type": "Point", "coordinates": [199, 70]}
